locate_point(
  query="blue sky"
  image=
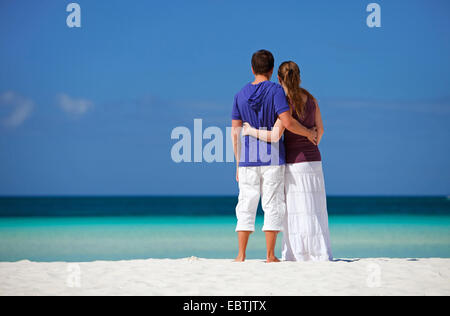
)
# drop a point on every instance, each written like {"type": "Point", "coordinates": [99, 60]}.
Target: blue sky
{"type": "Point", "coordinates": [91, 110]}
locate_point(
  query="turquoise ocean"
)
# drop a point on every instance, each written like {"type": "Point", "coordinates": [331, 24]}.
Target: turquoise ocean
{"type": "Point", "coordinates": [123, 228]}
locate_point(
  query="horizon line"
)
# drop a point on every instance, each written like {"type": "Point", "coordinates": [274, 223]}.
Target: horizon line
{"type": "Point", "coordinates": [212, 196]}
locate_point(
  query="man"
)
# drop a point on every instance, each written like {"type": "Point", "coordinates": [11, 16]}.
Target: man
{"type": "Point", "coordinates": [259, 165]}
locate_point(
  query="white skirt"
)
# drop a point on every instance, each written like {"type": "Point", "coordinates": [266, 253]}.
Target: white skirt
{"type": "Point", "coordinates": [305, 230]}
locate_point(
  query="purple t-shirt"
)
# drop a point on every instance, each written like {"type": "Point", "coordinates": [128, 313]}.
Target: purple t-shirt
{"type": "Point", "coordinates": [260, 105]}
{"type": "Point", "coordinates": [299, 148]}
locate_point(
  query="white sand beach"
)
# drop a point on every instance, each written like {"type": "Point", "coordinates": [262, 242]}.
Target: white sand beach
{"type": "Point", "coordinates": [194, 276]}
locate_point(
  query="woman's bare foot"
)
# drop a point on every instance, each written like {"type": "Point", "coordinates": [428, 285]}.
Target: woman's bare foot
{"type": "Point", "coordinates": [240, 258]}
{"type": "Point", "coordinates": [272, 259]}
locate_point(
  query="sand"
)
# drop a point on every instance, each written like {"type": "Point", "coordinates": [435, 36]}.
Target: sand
{"type": "Point", "coordinates": [194, 276]}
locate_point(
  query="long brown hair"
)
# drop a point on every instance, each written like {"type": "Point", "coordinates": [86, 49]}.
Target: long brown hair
{"type": "Point", "coordinates": [289, 74]}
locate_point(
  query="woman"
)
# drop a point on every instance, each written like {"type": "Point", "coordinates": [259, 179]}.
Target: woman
{"type": "Point", "coordinates": [305, 232]}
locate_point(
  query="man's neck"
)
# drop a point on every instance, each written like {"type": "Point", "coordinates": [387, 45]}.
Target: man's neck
{"type": "Point", "coordinates": [260, 78]}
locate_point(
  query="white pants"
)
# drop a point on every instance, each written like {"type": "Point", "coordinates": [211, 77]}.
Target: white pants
{"type": "Point", "coordinates": [305, 234]}
{"type": "Point", "coordinates": [267, 183]}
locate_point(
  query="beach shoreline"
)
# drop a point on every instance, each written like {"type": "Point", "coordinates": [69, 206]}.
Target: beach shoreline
{"type": "Point", "coordinates": [222, 277]}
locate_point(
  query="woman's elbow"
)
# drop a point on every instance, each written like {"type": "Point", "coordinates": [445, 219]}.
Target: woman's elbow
{"type": "Point", "coordinates": [320, 131]}
{"type": "Point", "coordinates": [274, 140]}
{"type": "Point", "coordinates": [277, 138]}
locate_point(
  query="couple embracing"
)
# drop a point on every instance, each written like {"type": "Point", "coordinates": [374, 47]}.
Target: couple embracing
{"type": "Point", "coordinates": [290, 180]}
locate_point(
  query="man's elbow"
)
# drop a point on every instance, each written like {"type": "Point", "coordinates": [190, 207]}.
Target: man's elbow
{"type": "Point", "coordinates": [235, 132]}
{"type": "Point", "coordinates": [289, 124]}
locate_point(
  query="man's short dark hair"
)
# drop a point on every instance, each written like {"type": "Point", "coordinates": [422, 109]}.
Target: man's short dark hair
{"type": "Point", "coordinates": [262, 62]}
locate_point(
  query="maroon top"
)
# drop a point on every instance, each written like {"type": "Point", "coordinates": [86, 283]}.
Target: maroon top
{"type": "Point", "coordinates": [299, 148]}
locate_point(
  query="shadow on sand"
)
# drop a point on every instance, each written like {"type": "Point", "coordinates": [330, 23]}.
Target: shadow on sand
{"type": "Point", "coordinates": [345, 260]}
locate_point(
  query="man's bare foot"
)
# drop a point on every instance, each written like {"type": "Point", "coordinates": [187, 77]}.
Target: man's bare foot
{"type": "Point", "coordinates": [272, 259]}
{"type": "Point", "coordinates": [239, 259]}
